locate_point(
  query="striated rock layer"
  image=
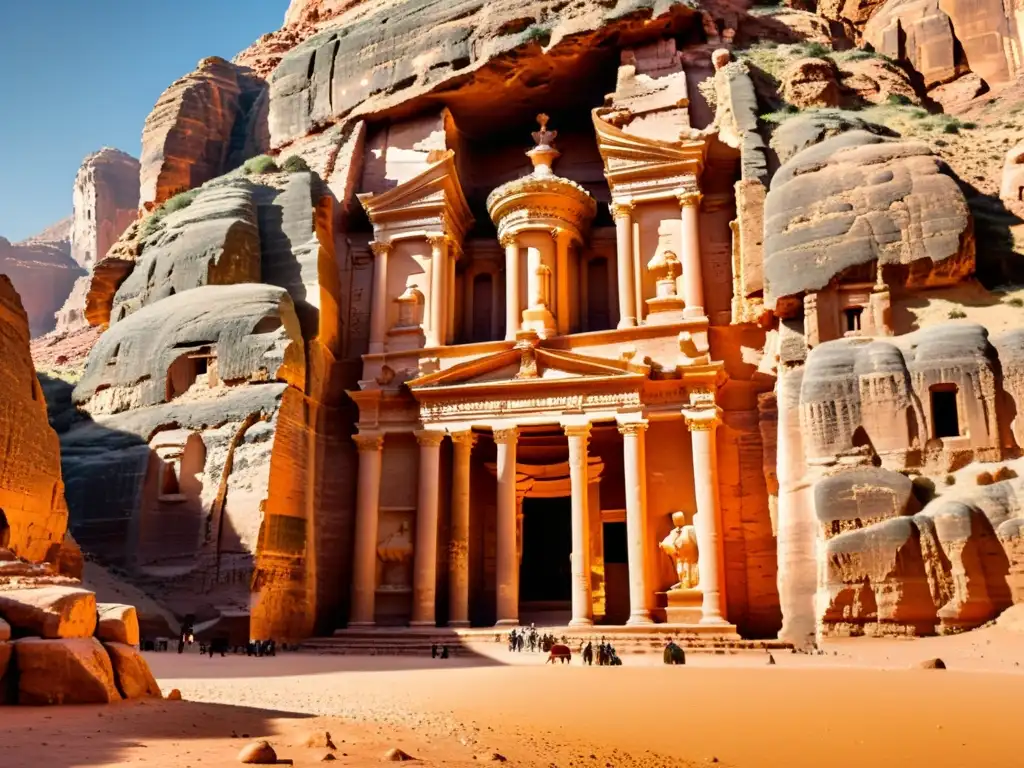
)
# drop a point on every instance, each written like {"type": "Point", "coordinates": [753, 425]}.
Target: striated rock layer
{"type": "Point", "coordinates": [106, 201]}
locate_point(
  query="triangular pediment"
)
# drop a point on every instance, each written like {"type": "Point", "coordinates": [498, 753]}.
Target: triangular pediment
{"type": "Point", "coordinates": [628, 157]}
{"type": "Point", "coordinates": [435, 191]}
{"type": "Point", "coordinates": [528, 366]}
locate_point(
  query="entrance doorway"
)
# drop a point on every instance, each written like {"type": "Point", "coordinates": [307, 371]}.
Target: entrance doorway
{"type": "Point", "coordinates": [616, 574]}
{"type": "Point", "coordinates": [545, 574]}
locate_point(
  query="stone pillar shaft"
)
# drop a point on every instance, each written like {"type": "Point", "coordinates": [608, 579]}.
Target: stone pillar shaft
{"type": "Point", "coordinates": [424, 579]}
{"type": "Point", "coordinates": [708, 520]}
{"type": "Point", "coordinates": [507, 559]}
{"type": "Point", "coordinates": [534, 287]}
{"type": "Point", "coordinates": [449, 333]}
{"type": "Point", "coordinates": [635, 479]}
{"type": "Point", "coordinates": [458, 555]}
{"type": "Point", "coordinates": [693, 278]}
{"type": "Point", "coordinates": [513, 315]}
{"type": "Point", "coordinates": [364, 561]}
{"type": "Point", "coordinates": [624, 259]}
{"type": "Point", "coordinates": [438, 283]}
{"type": "Point", "coordinates": [582, 602]}
{"type": "Point", "coordinates": [562, 313]}
{"type": "Point", "coordinates": [379, 302]}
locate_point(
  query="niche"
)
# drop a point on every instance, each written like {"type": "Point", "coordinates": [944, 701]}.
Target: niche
{"type": "Point", "coordinates": [945, 418]}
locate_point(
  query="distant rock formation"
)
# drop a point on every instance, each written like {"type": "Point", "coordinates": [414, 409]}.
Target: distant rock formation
{"type": "Point", "coordinates": [202, 126]}
{"type": "Point", "coordinates": [106, 201]}
{"type": "Point", "coordinates": [43, 272]}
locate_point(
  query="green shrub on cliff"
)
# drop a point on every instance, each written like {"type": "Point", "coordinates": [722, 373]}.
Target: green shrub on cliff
{"type": "Point", "coordinates": [259, 164]}
{"type": "Point", "coordinates": [294, 164]}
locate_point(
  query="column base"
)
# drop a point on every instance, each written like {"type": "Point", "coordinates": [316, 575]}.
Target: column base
{"type": "Point", "coordinates": [693, 312]}
{"type": "Point", "coordinates": [507, 623]}
{"type": "Point", "coordinates": [581, 623]}
{"type": "Point", "coordinates": [458, 624]}
{"type": "Point", "coordinates": [362, 624]}
{"type": "Point", "coordinates": [640, 619]}
{"type": "Point", "coordinates": [627, 322]}
{"type": "Point", "coordinates": [423, 624]}
{"type": "Point", "coordinates": [714, 620]}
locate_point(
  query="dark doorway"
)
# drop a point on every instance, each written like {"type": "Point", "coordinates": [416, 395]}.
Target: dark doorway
{"type": "Point", "coordinates": [599, 316]}
{"type": "Point", "coordinates": [853, 315]}
{"type": "Point", "coordinates": [482, 296]}
{"type": "Point", "coordinates": [546, 571]}
{"type": "Point", "coordinates": [5, 530]}
{"type": "Point", "coordinates": [616, 574]}
{"type": "Point", "coordinates": [945, 419]}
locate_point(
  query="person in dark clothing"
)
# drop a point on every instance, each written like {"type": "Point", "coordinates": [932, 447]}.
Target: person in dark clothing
{"type": "Point", "coordinates": [433, 651]}
{"type": "Point", "coordinates": [588, 654]}
{"type": "Point", "coordinates": [444, 651]}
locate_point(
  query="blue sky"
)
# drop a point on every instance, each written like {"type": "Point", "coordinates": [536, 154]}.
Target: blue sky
{"type": "Point", "coordinates": [77, 75]}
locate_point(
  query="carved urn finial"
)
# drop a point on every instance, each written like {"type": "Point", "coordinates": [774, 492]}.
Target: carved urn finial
{"type": "Point", "coordinates": [544, 154]}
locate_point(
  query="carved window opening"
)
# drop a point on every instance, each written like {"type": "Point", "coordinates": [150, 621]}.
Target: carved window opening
{"type": "Point", "coordinates": [852, 317]}
{"type": "Point", "coordinates": [5, 531]}
{"type": "Point", "coordinates": [169, 480]}
{"type": "Point", "coordinates": [599, 316]}
{"type": "Point", "coordinates": [945, 416]}
{"type": "Point", "coordinates": [615, 543]}
{"type": "Point", "coordinates": [187, 369]}
{"type": "Point", "coordinates": [483, 293]}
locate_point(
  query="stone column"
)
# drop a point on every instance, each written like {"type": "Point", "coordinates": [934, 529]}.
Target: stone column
{"type": "Point", "coordinates": [635, 480]}
{"type": "Point", "coordinates": [693, 278]}
{"type": "Point", "coordinates": [534, 288]}
{"type": "Point", "coordinates": [379, 302]}
{"type": "Point", "coordinates": [458, 552]}
{"type": "Point", "coordinates": [364, 560]}
{"type": "Point", "coordinates": [708, 520]}
{"type": "Point", "coordinates": [582, 602]}
{"type": "Point", "coordinates": [513, 315]}
{"type": "Point", "coordinates": [507, 559]}
{"type": "Point", "coordinates": [438, 281]}
{"type": "Point", "coordinates": [449, 334]}
{"type": "Point", "coordinates": [623, 214]}
{"type": "Point", "coordinates": [424, 577]}
{"type": "Point", "coordinates": [563, 241]}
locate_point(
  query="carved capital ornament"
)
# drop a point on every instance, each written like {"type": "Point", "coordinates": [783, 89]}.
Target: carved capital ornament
{"type": "Point", "coordinates": [368, 441]}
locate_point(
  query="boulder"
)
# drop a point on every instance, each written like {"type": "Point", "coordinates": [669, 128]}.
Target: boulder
{"type": "Point", "coordinates": [852, 14]}
{"type": "Point", "coordinates": [956, 95]}
{"type": "Point", "coordinates": [810, 83]}
{"type": "Point", "coordinates": [395, 755]}
{"type": "Point", "coordinates": [258, 753]}
{"type": "Point", "coordinates": [50, 612]}
{"type": "Point", "coordinates": [117, 624]}
{"type": "Point", "coordinates": [874, 80]}
{"type": "Point", "coordinates": [43, 272]}
{"type": "Point", "coordinates": [806, 130]}
{"type": "Point", "coordinates": [202, 126]}
{"type": "Point", "coordinates": [1011, 190]}
{"type": "Point", "coordinates": [131, 672]}
{"type": "Point", "coordinates": [932, 664]}
{"type": "Point", "coordinates": [174, 695]}
{"type": "Point", "coordinates": [858, 198]}
{"type": "Point", "coordinates": [75, 671]}
{"type": "Point", "coordinates": [5, 630]}
{"type": "Point", "coordinates": [70, 561]}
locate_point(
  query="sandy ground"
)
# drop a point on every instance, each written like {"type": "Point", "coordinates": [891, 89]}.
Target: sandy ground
{"type": "Point", "coordinates": [861, 704]}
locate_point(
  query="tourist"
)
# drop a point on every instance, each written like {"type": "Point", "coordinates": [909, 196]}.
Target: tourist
{"type": "Point", "coordinates": [588, 654]}
{"type": "Point", "coordinates": [433, 651]}
{"type": "Point", "coordinates": [444, 651]}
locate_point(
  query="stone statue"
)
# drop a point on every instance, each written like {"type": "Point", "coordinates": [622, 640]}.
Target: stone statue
{"type": "Point", "coordinates": [681, 546]}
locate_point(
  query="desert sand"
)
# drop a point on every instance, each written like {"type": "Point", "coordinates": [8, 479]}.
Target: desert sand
{"type": "Point", "coordinates": [862, 703]}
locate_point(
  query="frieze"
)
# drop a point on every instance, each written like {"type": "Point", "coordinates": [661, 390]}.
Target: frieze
{"type": "Point", "coordinates": [573, 402]}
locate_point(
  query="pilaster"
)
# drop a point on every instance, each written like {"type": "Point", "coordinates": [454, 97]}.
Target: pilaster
{"type": "Point", "coordinates": [507, 560]}
{"type": "Point", "coordinates": [635, 483]}
{"type": "Point", "coordinates": [364, 562]}
{"type": "Point", "coordinates": [425, 553]}
{"type": "Point", "coordinates": [378, 306]}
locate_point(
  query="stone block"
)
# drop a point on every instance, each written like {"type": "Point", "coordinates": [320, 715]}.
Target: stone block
{"type": "Point", "coordinates": [131, 672]}
{"type": "Point", "coordinates": [50, 612]}
{"type": "Point", "coordinates": [75, 671]}
{"type": "Point", "coordinates": [6, 654]}
{"type": "Point", "coordinates": [117, 624]}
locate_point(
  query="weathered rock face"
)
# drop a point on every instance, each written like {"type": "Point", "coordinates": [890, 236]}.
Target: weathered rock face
{"type": "Point", "coordinates": [804, 131]}
{"type": "Point", "coordinates": [50, 612]}
{"type": "Point", "coordinates": [131, 672]}
{"type": "Point", "coordinates": [106, 202]}
{"type": "Point", "coordinates": [371, 59]}
{"type": "Point", "coordinates": [942, 41]}
{"type": "Point", "coordinates": [43, 273]}
{"type": "Point", "coordinates": [853, 14]}
{"type": "Point", "coordinates": [313, 11]}
{"type": "Point", "coordinates": [31, 491]}
{"type": "Point", "coordinates": [214, 241]}
{"type": "Point", "coordinates": [117, 624]}
{"type": "Point", "coordinates": [811, 83]}
{"type": "Point", "coordinates": [202, 126]}
{"type": "Point", "coordinates": [858, 198]}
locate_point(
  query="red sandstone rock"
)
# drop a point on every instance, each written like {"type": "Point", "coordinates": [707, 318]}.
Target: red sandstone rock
{"type": "Point", "coordinates": [43, 273]}
{"type": "Point", "coordinates": [117, 624]}
{"type": "Point", "coordinates": [50, 612]}
{"type": "Point", "coordinates": [131, 672]}
{"type": "Point", "coordinates": [106, 202]}
{"type": "Point", "coordinates": [202, 126]}
{"type": "Point", "coordinates": [811, 83]}
{"type": "Point", "coordinates": [874, 81]}
{"type": "Point", "coordinates": [1012, 189]}
{"type": "Point", "coordinates": [954, 96]}
{"type": "Point", "coordinates": [74, 671]}
{"type": "Point", "coordinates": [258, 753]}
{"type": "Point", "coordinates": [6, 653]}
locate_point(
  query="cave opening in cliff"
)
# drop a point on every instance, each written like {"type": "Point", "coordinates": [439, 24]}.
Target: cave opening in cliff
{"type": "Point", "coordinates": [5, 530]}
{"type": "Point", "coordinates": [945, 418]}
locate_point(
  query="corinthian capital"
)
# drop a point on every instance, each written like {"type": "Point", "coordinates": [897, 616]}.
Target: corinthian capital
{"type": "Point", "coordinates": [506, 436]}
{"type": "Point", "coordinates": [430, 438]}
{"type": "Point", "coordinates": [634, 428]}
{"type": "Point", "coordinates": [621, 209]}
{"type": "Point", "coordinates": [688, 198]}
{"type": "Point", "coordinates": [381, 248]}
{"type": "Point", "coordinates": [437, 241]}
{"type": "Point", "coordinates": [465, 437]}
{"type": "Point", "coordinates": [507, 239]}
{"type": "Point", "coordinates": [368, 441]}
{"type": "Point", "coordinates": [703, 419]}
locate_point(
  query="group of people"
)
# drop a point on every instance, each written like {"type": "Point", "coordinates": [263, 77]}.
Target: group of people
{"type": "Point", "coordinates": [434, 653]}
{"type": "Point", "coordinates": [606, 656]}
{"type": "Point", "coordinates": [528, 638]}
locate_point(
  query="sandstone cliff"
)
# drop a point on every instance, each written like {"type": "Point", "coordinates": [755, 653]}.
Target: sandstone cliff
{"type": "Point", "coordinates": [202, 126]}
{"type": "Point", "coordinates": [106, 201]}
{"type": "Point", "coordinates": [43, 272]}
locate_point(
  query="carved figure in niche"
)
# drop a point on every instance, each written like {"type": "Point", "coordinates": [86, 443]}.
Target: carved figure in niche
{"type": "Point", "coordinates": [543, 286]}
{"type": "Point", "coordinates": [681, 546]}
{"type": "Point", "coordinates": [397, 546]}
{"type": "Point", "coordinates": [410, 307]}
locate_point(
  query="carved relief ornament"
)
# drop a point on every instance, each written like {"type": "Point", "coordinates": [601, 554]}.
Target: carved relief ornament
{"type": "Point", "coordinates": [430, 438]}
{"type": "Point", "coordinates": [381, 248]}
{"type": "Point", "coordinates": [634, 428]}
{"type": "Point", "coordinates": [368, 441]}
{"type": "Point", "coordinates": [506, 435]}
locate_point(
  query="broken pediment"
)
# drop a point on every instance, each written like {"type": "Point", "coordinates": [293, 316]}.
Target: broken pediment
{"type": "Point", "coordinates": [429, 201]}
